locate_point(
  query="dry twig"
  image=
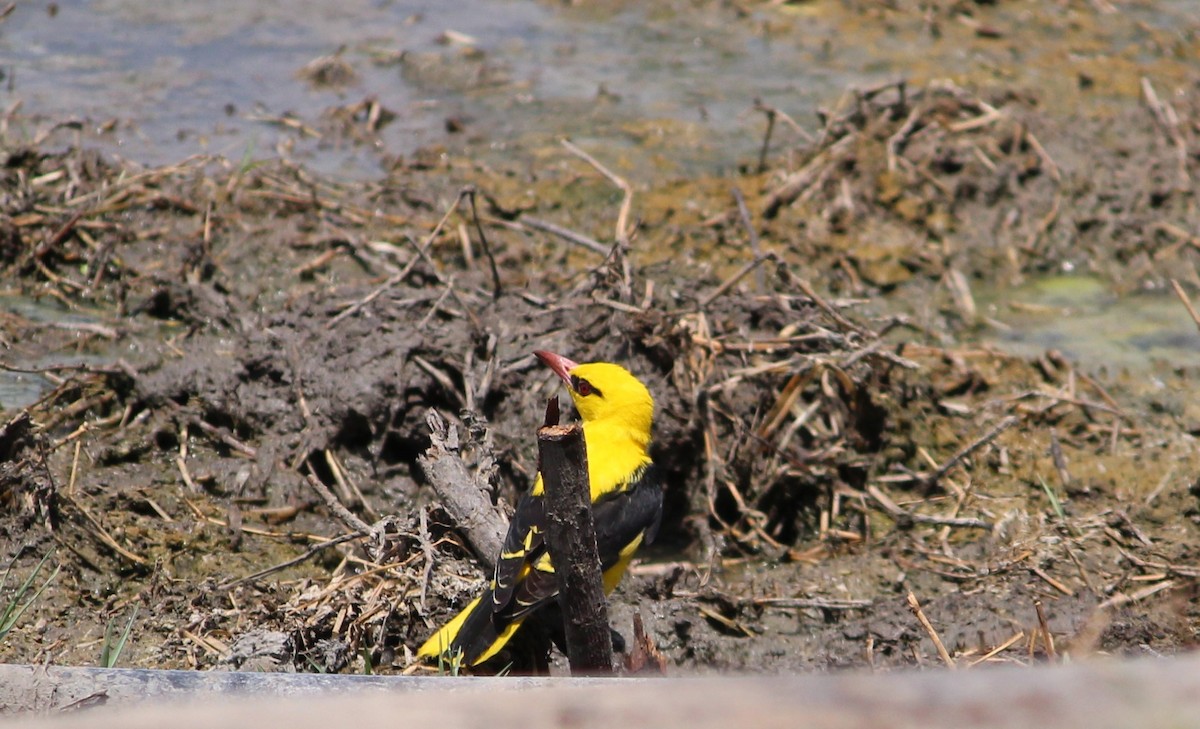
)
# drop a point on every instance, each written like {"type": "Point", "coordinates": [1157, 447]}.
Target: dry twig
{"type": "Point", "coordinates": [1187, 302]}
{"type": "Point", "coordinates": [937, 641]}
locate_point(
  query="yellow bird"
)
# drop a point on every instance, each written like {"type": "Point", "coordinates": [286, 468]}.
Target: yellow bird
{"type": "Point", "coordinates": [617, 412]}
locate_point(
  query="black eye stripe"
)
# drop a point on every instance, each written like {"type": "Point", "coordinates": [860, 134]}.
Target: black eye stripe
{"type": "Point", "coordinates": [583, 387]}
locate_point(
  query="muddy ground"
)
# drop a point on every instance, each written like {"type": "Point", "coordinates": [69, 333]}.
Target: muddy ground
{"type": "Point", "coordinates": [215, 336]}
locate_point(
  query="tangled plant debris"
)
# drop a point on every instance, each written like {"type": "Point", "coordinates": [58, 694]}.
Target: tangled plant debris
{"type": "Point", "coordinates": [241, 364]}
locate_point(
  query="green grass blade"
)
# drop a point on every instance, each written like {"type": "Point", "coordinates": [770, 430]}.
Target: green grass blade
{"type": "Point", "coordinates": [12, 613]}
{"type": "Point", "coordinates": [1054, 502]}
{"type": "Point", "coordinates": [110, 654]}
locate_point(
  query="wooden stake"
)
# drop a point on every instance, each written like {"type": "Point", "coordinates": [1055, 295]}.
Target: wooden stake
{"type": "Point", "coordinates": [571, 538]}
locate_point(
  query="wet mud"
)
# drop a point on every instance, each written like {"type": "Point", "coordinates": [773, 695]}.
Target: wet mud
{"type": "Point", "coordinates": [228, 367]}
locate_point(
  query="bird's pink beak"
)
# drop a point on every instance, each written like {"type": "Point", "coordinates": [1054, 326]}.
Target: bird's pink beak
{"type": "Point", "coordinates": [560, 364]}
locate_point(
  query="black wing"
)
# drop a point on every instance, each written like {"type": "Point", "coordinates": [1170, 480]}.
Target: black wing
{"type": "Point", "coordinates": [620, 517]}
{"type": "Point", "coordinates": [524, 544]}
{"type": "Point", "coordinates": [623, 515]}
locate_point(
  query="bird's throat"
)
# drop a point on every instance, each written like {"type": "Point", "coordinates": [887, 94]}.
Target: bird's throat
{"type": "Point", "coordinates": [613, 452]}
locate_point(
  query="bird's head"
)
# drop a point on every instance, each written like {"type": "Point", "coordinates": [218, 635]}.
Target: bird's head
{"type": "Point", "coordinates": [605, 393]}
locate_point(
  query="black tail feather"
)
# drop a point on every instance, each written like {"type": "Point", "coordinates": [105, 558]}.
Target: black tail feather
{"type": "Point", "coordinates": [478, 632]}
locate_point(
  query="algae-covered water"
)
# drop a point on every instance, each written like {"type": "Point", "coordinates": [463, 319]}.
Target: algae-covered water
{"type": "Point", "coordinates": [1081, 317]}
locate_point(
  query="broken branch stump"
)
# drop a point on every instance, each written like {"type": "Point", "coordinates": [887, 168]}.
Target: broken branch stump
{"type": "Point", "coordinates": [463, 493]}
{"type": "Point", "coordinates": [571, 537]}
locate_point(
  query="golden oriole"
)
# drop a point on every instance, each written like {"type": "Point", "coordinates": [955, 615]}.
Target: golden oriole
{"type": "Point", "coordinates": [617, 411]}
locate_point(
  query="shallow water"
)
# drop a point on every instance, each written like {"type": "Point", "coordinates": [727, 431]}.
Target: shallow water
{"type": "Point", "coordinates": [182, 78]}
{"type": "Point", "coordinates": [21, 389]}
{"type": "Point", "coordinates": [176, 78]}
{"type": "Point", "coordinates": [1080, 317]}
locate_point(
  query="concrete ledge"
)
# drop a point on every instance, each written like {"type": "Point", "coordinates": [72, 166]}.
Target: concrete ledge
{"type": "Point", "coordinates": [1144, 693]}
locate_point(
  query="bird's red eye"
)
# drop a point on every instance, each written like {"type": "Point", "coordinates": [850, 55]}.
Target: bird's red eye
{"type": "Point", "coordinates": [583, 387]}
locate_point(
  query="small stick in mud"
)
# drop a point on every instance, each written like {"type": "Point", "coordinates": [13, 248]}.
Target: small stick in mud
{"type": "Point", "coordinates": [970, 448]}
{"type": "Point", "coordinates": [344, 514]}
{"type": "Point", "coordinates": [427, 550]}
{"type": "Point", "coordinates": [620, 250]}
{"type": "Point", "coordinates": [402, 273]}
{"type": "Point", "coordinates": [1187, 302]}
{"type": "Point", "coordinates": [571, 538]}
{"type": "Point", "coordinates": [794, 185]}
{"type": "Point", "coordinates": [846, 325]}
{"type": "Point", "coordinates": [781, 115]}
{"type": "Point", "coordinates": [748, 224]}
{"type": "Point", "coordinates": [1044, 627]}
{"type": "Point", "coordinates": [469, 193]}
{"type": "Point", "coordinates": [1049, 580]}
{"type": "Point", "coordinates": [817, 603]}
{"type": "Point", "coordinates": [1121, 599]}
{"type": "Point", "coordinates": [998, 649]}
{"type": "Point", "coordinates": [941, 649]}
{"type": "Point", "coordinates": [583, 241]}
{"type": "Point", "coordinates": [59, 235]}
{"type": "Point", "coordinates": [770, 113]}
{"type": "Point", "coordinates": [741, 273]}
{"type": "Point", "coordinates": [905, 519]}
{"type": "Point", "coordinates": [622, 231]}
{"type": "Point", "coordinates": [644, 656]}
{"type": "Point", "coordinates": [1060, 461]}
{"type": "Point", "coordinates": [299, 559]}
{"type": "Point", "coordinates": [217, 432]}
{"type": "Point", "coordinates": [1168, 120]}
{"type": "Point", "coordinates": [102, 534]}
